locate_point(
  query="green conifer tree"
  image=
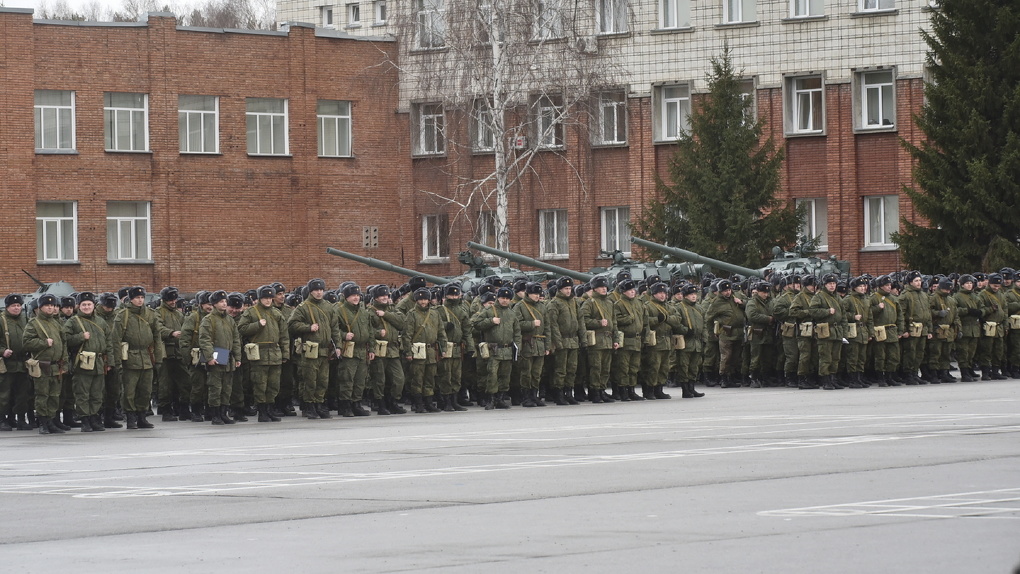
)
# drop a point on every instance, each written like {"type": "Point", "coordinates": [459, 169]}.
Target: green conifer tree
{"type": "Point", "coordinates": [722, 201]}
{"type": "Point", "coordinates": [967, 171]}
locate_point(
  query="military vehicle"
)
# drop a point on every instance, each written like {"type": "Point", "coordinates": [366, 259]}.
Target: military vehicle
{"type": "Point", "coordinates": [785, 263]}
{"type": "Point", "coordinates": [478, 270]}
{"type": "Point", "coordinates": [57, 288]}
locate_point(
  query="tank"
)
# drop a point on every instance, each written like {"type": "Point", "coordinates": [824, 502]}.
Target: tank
{"type": "Point", "coordinates": [695, 258]}
{"type": "Point", "coordinates": [478, 271]}
{"type": "Point", "coordinates": [57, 288]}
{"type": "Point", "coordinates": [800, 262]}
{"type": "Point", "coordinates": [525, 260]}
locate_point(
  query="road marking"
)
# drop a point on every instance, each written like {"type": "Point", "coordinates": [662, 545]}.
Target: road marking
{"type": "Point", "coordinates": [999, 504]}
{"type": "Point", "coordinates": [291, 479]}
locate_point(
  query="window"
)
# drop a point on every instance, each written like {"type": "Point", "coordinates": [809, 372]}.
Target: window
{"type": "Point", "coordinates": [56, 231]}
{"type": "Point", "coordinates": [549, 122]}
{"type": "Point", "coordinates": [486, 24]}
{"type": "Point", "coordinates": [816, 223]}
{"type": "Point", "coordinates": [198, 124]}
{"type": "Point", "coordinates": [379, 8]}
{"type": "Point", "coordinates": [611, 16]}
{"type": "Point", "coordinates": [431, 138]}
{"type": "Point", "coordinates": [435, 235]}
{"type": "Point", "coordinates": [616, 230]}
{"type": "Point", "coordinates": [552, 233]}
{"type": "Point", "coordinates": [807, 8]}
{"type": "Point", "coordinates": [485, 232]}
{"type": "Point", "coordinates": [334, 119]}
{"type": "Point", "coordinates": [805, 105]}
{"type": "Point", "coordinates": [431, 27]}
{"type": "Point", "coordinates": [128, 231]}
{"type": "Point", "coordinates": [736, 11]}
{"type": "Point", "coordinates": [126, 121]}
{"type": "Point", "coordinates": [267, 126]}
{"type": "Point", "coordinates": [877, 99]}
{"type": "Point", "coordinates": [747, 96]}
{"type": "Point", "coordinates": [876, 5]}
{"type": "Point", "coordinates": [548, 19]}
{"type": "Point", "coordinates": [483, 126]}
{"type": "Point", "coordinates": [54, 120]}
{"type": "Point", "coordinates": [673, 105]}
{"type": "Point", "coordinates": [612, 118]}
{"type": "Point", "coordinates": [881, 220]}
{"type": "Point", "coordinates": [674, 14]}
{"type": "Point", "coordinates": [326, 16]}
{"type": "Point", "coordinates": [353, 15]}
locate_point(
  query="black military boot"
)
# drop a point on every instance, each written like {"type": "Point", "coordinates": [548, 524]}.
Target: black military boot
{"type": "Point", "coordinates": [395, 407]}
{"type": "Point", "coordinates": [238, 414]}
{"type": "Point", "coordinates": [430, 407]}
{"type": "Point", "coordinates": [658, 393]}
{"type": "Point", "coordinates": [997, 374]}
{"type": "Point", "coordinates": [451, 401]}
{"type": "Point", "coordinates": [444, 406]}
{"type": "Point", "coordinates": [568, 395]}
{"type": "Point", "coordinates": [632, 394]}
{"type": "Point", "coordinates": [308, 411]}
{"type": "Point", "coordinates": [646, 392]}
{"type": "Point", "coordinates": [132, 420]}
{"type": "Point", "coordinates": [579, 394]}
{"type": "Point", "coordinates": [323, 411]}
{"type": "Point", "coordinates": [490, 401]}
{"type": "Point", "coordinates": [55, 420]}
{"type": "Point", "coordinates": [225, 415]}
{"type": "Point", "coordinates": [558, 397]}
{"type": "Point", "coordinates": [358, 410]}
{"type": "Point", "coordinates": [380, 406]}
{"type": "Point", "coordinates": [274, 415]}
{"type": "Point", "coordinates": [501, 401]}
{"type": "Point", "coordinates": [965, 375]}
{"type": "Point", "coordinates": [142, 423]}
{"type": "Point", "coordinates": [827, 383]}
{"type": "Point", "coordinates": [692, 391]}
{"type": "Point", "coordinates": [595, 396]}
{"type": "Point", "coordinates": [263, 413]}
{"type": "Point", "coordinates": [97, 423]}
{"type": "Point", "coordinates": [44, 427]}
{"type": "Point", "coordinates": [183, 411]}
{"type": "Point", "coordinates": [86, 425]}
{"type": "Point", "coordinates": [527, 398]}
{"type": "Point", "coordinates": [986, 372]}
{"type": "Point", "coordinates": [214, 414]}
{"type": "Point", "coordinates": [536, 395]}
{"type": "Point", "coordinates": [70, 420]}
{"type": "Point", "coordinates": [606, 398]}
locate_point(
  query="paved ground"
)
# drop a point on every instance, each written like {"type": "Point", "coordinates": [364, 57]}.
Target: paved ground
{"type": "Point", "coordinates": [909, 479]}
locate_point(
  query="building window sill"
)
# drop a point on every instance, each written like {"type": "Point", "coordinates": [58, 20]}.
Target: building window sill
{"type": "Point", "coordinates": [878, 130]}
{"type": "Point", "coordinates": [879, 248]}
{"type": "Point", "coordinates": [74, 262]}
{"type": "Point", "coordinates": [873, 13]}
{"type": "Point", "coordinates": [553, 257]}
{"type": "Point", "coordinates": [790, 135]}
{"type": "Point", "coordinates": [799, 19]}
{"type": "Point", "coordinates": [728, 25]}
{"type": "Point", "coordinates": [130, 262]}
{"type": "Point", "coordinates": [434, 260]}
{"type": "Point", "coordinates": [682, 30]}
{"type": "Point", "coordinates": [56, 152]}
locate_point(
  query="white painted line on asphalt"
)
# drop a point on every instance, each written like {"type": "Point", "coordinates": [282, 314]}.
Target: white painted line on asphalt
{"type": "Point", "coordinates": [301, 480]}
{"type": "Point", "coordinates": [957, 505]}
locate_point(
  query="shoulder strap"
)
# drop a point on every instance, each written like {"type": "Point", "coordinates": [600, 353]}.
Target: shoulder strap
{"type": "Point", "coordinates": [7, 330]}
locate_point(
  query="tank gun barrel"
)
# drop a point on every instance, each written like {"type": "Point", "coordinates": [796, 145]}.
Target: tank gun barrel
{"type": "Point", "coordinates": [385, 266]}
{"type": "Point", "coordinates": [695, 258]}
{"type": "Point", "coordinates": [525, 260]}
{"type": "Point", "coordinates": [37, 282]}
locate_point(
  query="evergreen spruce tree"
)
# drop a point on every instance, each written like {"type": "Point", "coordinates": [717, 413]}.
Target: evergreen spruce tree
{"type": "Point", "coordinates": [722, 201]}
{"type": "Point", "coordinates": [967, 172]}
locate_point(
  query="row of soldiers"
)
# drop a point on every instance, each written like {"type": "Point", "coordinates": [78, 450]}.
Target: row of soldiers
{"type": "Point", "coordinates": [234, 355]}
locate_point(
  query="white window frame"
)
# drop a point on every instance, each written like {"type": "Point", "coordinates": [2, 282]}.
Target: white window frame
{"type": "Point", "coordinates": [612, 118]}
{"type": "Point", "coordinates": [196, 120]}
{"type": "Point", "coordinates": [122, 232]}
{"type": "Point", "coordinates": [61, 116]}
{"type": "Point", "coordinates": [430, 128]}
{"type": "Point", "coordinates": [817, 223]}
{"type": "Point", "coordinates": [259, 122]}
{"type": "Point", "coordinates": [877, 5]}
{"type": "Point", "coordinates": [880, 91]}
{"type": "Point", "coordinates": [548, 122]}
{"type": "Point", "coordinates": [548, 19]}
{"type": "Point", "coordinates": [615, 230]}
{"type": "Point", "coordinates": [435, 240]}
{"type": "Point", "coordinates": [482, 137]}
{"type": "Point", "coordinates": [807, 8]}
{"type": "Point", "coordinates": [674, 14]}
{"type": "Point", "coordinates": [326, 17]}
{"type": "Point", "coordinates": [797, 96]}
{"type": "Point", "coordinates": [749, 95]}
{"type": "Point", "coordinates": [485, 233]}
{"type": "Point", "coordinates": [558, 245]}
{"type": "Point", "coordinates": [672, 105]}
{"type": "Point", "coordinates": [611, 16]}
{"type": "Point", "coordinates": [739, 11]}
{"type": "Point", "coordinates": [884, 201]}
{"type": "Point", "coordinates": [137, 119]}
{"type": "Point", "coordinates": [340, 125]}
{"type": "Point", "coordinates": [61, 226]}
{"type": "Point", "coordinates": [353, 15]}
{"type": "Point", "coordinates": [430, 29]}
{"type": "Point", "coordinates": [379, 12]}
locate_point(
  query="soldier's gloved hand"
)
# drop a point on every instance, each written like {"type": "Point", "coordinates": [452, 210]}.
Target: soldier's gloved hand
{"type": "Point", "coordinates": [975, 313]}
{"type": "Point", "coordinates": [943, 312]}
{"type": "Point", "coordinates": [449, 326]}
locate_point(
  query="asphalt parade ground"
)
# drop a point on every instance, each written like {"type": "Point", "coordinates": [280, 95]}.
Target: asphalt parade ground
{"type": "Point", "coordinates": [907, 479]}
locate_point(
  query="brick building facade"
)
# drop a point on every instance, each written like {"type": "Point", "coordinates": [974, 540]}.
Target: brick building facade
{"type": "Point", "coordinates": [220, 214]}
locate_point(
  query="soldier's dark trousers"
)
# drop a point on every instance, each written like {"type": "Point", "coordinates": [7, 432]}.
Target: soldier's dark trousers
{"type": "Point", "coordinates": [137, 389]}
{"type": "Point", "coordinates": [448, 373]}
{"type": "Point", "coordinates": [47, 395]}
{"type": "Point", "coordinates": [88, 392]}
{"type": "Point", "coordinates": [174, 383]}
{"type": "Point", "coordinates": [219, 383]}
{"type": "Point", "coordinates": [564, 368]}
{"type": "Point", "coordinates": [729, 356]}
{"type": "Point", "coordinates": [353, 374]}
{"type": "Point", "coordinates": [314, 374]}
{"type": "Point", "coordinates": [387, 377]}
{"type": "Point", "coordinates": [599, 363]}
{"type": "Point", "coordinates": [265, 382]}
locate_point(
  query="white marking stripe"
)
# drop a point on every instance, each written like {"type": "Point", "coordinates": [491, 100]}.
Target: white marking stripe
{"type": "Point", "coordinates": [958, 505]}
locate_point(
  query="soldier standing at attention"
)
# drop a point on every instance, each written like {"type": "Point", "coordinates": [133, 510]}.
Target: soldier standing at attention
{"type": "Point", "coordinates": [457, 323]}
{"type": "Point", "coordinates": [316, 323]}
{"type": "Point", "coordinates": [788, 328]}
{"type": "Point", "coordinates": [263, 324]}
{"type": "Point", "coordinates": [136, 330]}
{"type": "Point", "coordinates": [968, 306]}
{"type": "Point", "coordinates": [44, 340]}
{"type": "Point", "coordinates": [356, 331]}
{"type": "Point", "coordinates": [174, 388]}
{"type": "Point", "coordinates": [501, 330]}
{"type": "Point", "coordinates": [945, 325]}
{"type": "Point", "coordinates": [631, 321]}
{"type": "Point", "coordinates": [93, 339]}
{"type": "Point", "coordinates": [857, 308]}
{"type": "Point", "coordinates": [531, 317]}
{"type": "Point", "coordinates": [991, 353]}
{"type": "Point", "coordinates": [112, 391]}
{"type": "Point", "coordinates": [220, 344]}
{"type": "Point", "coordinates": [807, 348]}
{"type": "Point", "coordinates": [424, 333]}
{"type": "Point", "coordinates": [728, 311]}
{"type": "Point", "coordinates": [385, 372]}
{"type": "Point", "coordinates": [888, 324]}
{"type": "Point", "coordinates": [189, 338]}
{"type": "Point", "coordinates": [917, 327]}
{"type": "Point", "coordinates": [826, 312]}
{"type": "Point", "coordinates": [760, 333]}
{"type": "Point", "coordinates": [689, 358]}
{"type": "Point", "coordinates": [16, 390]}
{"type": "Point", "coordinates": [565, 332]}
{"type": "Point", "coordinates": [664, 321]}
{"type": "Point", "coordinates": [598, 315]}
